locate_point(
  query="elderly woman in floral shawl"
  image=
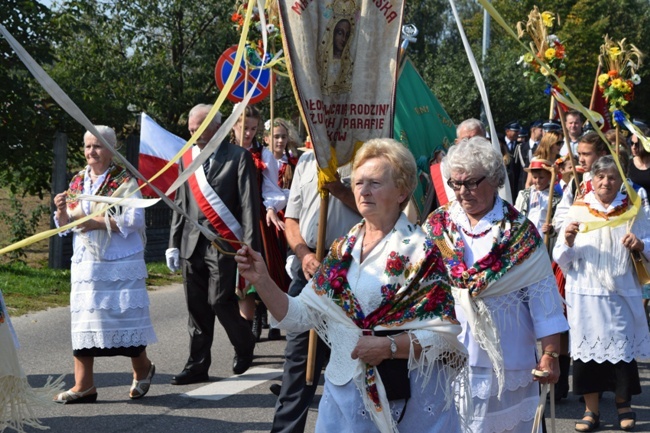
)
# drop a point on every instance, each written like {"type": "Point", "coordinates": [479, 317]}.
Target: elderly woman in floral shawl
{"type": "Point", "coordinates": [380, 303]}
{"type": "Point", "coordinates": [109, 303]}
{"type": "Point", "coordinates": [504, 288]}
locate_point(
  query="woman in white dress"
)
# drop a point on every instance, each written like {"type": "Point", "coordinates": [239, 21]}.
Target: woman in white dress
{"type": "Point", "coordinates": [609, 330]}
{"type": "Point", "coordinates": [504, 288]}
{"type": "Point", "coordinates": [380, 301]}
{"type": "Point", "coordinates": [109, 303]}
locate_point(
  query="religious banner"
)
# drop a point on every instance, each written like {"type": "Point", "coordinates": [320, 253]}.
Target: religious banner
{"type": "Point", "coordinates": [342, 55]}
{"type": "Point", "coordinates": [423, 126]}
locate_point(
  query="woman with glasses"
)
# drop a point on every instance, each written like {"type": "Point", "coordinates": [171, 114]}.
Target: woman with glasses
{"type": "Point", "coordinates": [504, 289]}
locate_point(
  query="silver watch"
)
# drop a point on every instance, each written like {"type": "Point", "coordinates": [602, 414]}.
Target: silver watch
{"type": "Point", "coordinates": [393, 346]}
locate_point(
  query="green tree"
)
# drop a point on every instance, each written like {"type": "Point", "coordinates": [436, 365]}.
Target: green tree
{"type": "Point", "coordinates": [26, 128]}
{"type": "Point", "coordinates": [118, 58]}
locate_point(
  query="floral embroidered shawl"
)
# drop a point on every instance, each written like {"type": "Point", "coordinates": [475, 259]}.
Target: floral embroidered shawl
{"type": "Point", "coordinates": [115, 177]}
{"type": "Point", "coordinates": [118, 182]}
{"type": "Point", "coordinates": [514, 242]}
{"type": "Point", "coordinates": [416, 297]}
{"type": "Point", "coordinates": [517, 259]}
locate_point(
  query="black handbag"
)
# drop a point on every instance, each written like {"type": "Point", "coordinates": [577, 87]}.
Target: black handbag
{"type": "Point", "coordinates": [394, 374]}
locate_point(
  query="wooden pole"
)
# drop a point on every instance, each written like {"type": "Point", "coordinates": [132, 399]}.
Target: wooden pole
{"type": "Point", "coordinates": [551, 110]}
{"type": "Point", "coordinates": [594, 91]}
{"type": "Point", "coordinates": [549, 213]}
{"type": "Point", "coordinates": [272, 115]}
{"type": "Point", "coordinates": [320, 253]}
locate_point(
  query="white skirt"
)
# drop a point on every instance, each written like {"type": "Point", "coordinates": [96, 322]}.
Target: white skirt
{"type": "Point", "coordinates": [109, 304]}
{"type": "Point", "coordinates": [607, 328]}
{"type": "Point", "coordinates": [341, 410]}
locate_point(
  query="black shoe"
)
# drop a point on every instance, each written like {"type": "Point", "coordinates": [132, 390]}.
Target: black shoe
{"type": "Point", "coordinates": [275, 389]}
{"type": "Point", "coordinates": [187, 377]}
{"type": "Point", "coordinates": [241, 363]}
{"type": "Point", "coordinates": [275, 334]}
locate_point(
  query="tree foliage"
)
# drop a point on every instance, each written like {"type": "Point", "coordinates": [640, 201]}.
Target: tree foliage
{"type": "Point", "coordinates": [117, 58]}
{"type": "Point", "coordinates": [26, 129]}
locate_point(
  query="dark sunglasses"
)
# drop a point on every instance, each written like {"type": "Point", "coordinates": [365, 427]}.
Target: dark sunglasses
{"type": "Point", "coordinates": [470, 185]}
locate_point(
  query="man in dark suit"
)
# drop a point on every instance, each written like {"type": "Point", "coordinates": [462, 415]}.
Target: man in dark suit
{"type": "Point", "coordinates": [515, 167]}
{"type": "Point", "coordinates": [210, 277]}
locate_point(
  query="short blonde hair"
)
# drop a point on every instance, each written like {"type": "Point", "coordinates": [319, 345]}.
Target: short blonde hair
{"type": "Point", "coordinates": [403, 167]}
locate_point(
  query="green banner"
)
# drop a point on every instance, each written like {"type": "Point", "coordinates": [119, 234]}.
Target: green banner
{"type": "Point", "coordinates": [423, 126]}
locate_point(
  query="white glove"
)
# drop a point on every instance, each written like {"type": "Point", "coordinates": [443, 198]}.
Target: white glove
{"type": "Point", "coordinates": [173, 259]}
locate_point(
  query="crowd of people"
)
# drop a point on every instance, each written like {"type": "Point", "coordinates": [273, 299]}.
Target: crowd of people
{"type": "Point", "coordinates": [462, 313]}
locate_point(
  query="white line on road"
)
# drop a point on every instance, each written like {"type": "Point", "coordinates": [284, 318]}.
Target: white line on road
{"type": "Point", "coordinates": [234, 384]}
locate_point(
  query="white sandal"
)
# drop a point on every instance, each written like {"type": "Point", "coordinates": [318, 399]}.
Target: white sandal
{"type": "Point", "coordinates": [72, 397]}
{"type": "Point", "coordinates": [140, 388]}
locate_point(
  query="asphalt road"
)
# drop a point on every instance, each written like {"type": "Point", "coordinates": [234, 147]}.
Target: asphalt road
{"type": "Point", "coordinates": [226, 404]}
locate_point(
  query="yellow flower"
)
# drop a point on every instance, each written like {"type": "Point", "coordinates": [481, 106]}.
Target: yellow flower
{"type": "Point", "coordinates": [528, 58]}
{"type": "Point", "coordinates": [550, 54]}
{"type": "Point", "coordinates": [621, 85]}
{"type": "Point", "coordinates": [545, 72]}
{"type": "Point", "coordinates": [548, 18]}
{"type": "Point", "coordinates": [614, 52]}
{"type": "Point", "coordinates": [603, 79]}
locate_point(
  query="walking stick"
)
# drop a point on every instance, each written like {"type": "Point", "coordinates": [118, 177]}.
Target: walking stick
{"type": "Point", "coordinates": [549, 206]}
{"type": "Point", "coordinates": [320, 253]}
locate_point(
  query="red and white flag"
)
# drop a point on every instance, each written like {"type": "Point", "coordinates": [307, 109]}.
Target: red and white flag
{"type": "Point", "coordinates": [157, 147]}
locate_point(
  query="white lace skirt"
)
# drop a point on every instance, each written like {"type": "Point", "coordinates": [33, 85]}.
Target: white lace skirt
{"type": "Point", "coordinates": [341, 410]}
{"type": "Point", "coordinates": [514, 412]}
{"type": "Point", "coordinates": [607, 328]}
{"type": "Point", "coordinates": [109, 304]}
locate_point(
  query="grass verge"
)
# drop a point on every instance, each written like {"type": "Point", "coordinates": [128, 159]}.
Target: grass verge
{"type": "Point", "coordinates": [27, 288]}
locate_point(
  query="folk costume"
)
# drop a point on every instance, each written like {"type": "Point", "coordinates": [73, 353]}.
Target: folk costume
{"type": "Point", "coordinates": [109, 303]}
{"type": "Point", "coordinates": [17, 397]}
{"type": "Point", "coordinates": [506, 299]}
{"type": "Point", "coordinates": [271, 196]}
{"type": "Point", "coordinates": [609, 330]}
{"type": "Point", "coordinates": [398, 287]}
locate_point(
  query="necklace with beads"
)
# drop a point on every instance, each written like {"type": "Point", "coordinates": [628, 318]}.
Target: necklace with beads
{"type": "Point", "coordinates": [476, 235]}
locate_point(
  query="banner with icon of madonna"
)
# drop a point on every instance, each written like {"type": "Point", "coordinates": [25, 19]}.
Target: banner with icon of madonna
{"type": "Point", "coordinates": [342, 58]}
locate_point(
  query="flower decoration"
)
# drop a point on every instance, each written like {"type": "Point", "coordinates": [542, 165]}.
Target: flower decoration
{"type": "Point", "coordinates": [254, 42]}
{"type": "Point", "coordinates": [550, 57]}
{"type": "Point", "coordinates": [621, 61]}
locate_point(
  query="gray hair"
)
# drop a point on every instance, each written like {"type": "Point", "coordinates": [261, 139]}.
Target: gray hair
{"type": "Point", "coordinates": [476, 157]}
{"type": "Point", "coordinates": [205, 109]}
{"type": "Point", "coordinates": [604, 163]}
{"type": "Point", "coordinates": [106, 132]}
{"type": "Point", "coordinates": [471, 125]}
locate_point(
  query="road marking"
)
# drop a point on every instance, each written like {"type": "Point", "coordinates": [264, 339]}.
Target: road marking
{"type": "Point", "coordinates": [234, 384]}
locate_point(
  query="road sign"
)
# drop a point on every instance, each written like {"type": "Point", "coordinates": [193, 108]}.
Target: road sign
{"type": "Point", "coordinates": [223, 69]}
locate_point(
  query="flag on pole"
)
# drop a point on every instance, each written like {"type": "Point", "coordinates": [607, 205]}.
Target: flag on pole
{"type": "Point", "coordinates": [157, 147]}
{"type": "Point", "coordinates": [423, 126]}
{"type": "Point", "coordinates": [342, 55]}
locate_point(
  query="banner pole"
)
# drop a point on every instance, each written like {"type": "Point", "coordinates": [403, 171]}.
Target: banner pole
{"type": "Point", "coordinates": [320, 253]}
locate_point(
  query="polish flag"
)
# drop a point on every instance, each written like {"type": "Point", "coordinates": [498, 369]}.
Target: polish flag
{"type": "Point", "coordinates": [157, 147]}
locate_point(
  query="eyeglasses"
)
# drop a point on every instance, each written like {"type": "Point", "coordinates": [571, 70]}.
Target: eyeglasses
{"type": "Point", "coordinates": [469, 185]}
{"type": "Point", "coordinates": [634, 143]}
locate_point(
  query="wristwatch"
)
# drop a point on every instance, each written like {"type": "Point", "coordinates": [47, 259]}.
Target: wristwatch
{"type": "Point", "coordinates": [393, 346]}
{"type": "Point", "coordinates": [552, 354]}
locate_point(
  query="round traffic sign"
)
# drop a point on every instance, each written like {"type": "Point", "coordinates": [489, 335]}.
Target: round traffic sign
{"type": "Point", "coordinates": [241, 85]}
